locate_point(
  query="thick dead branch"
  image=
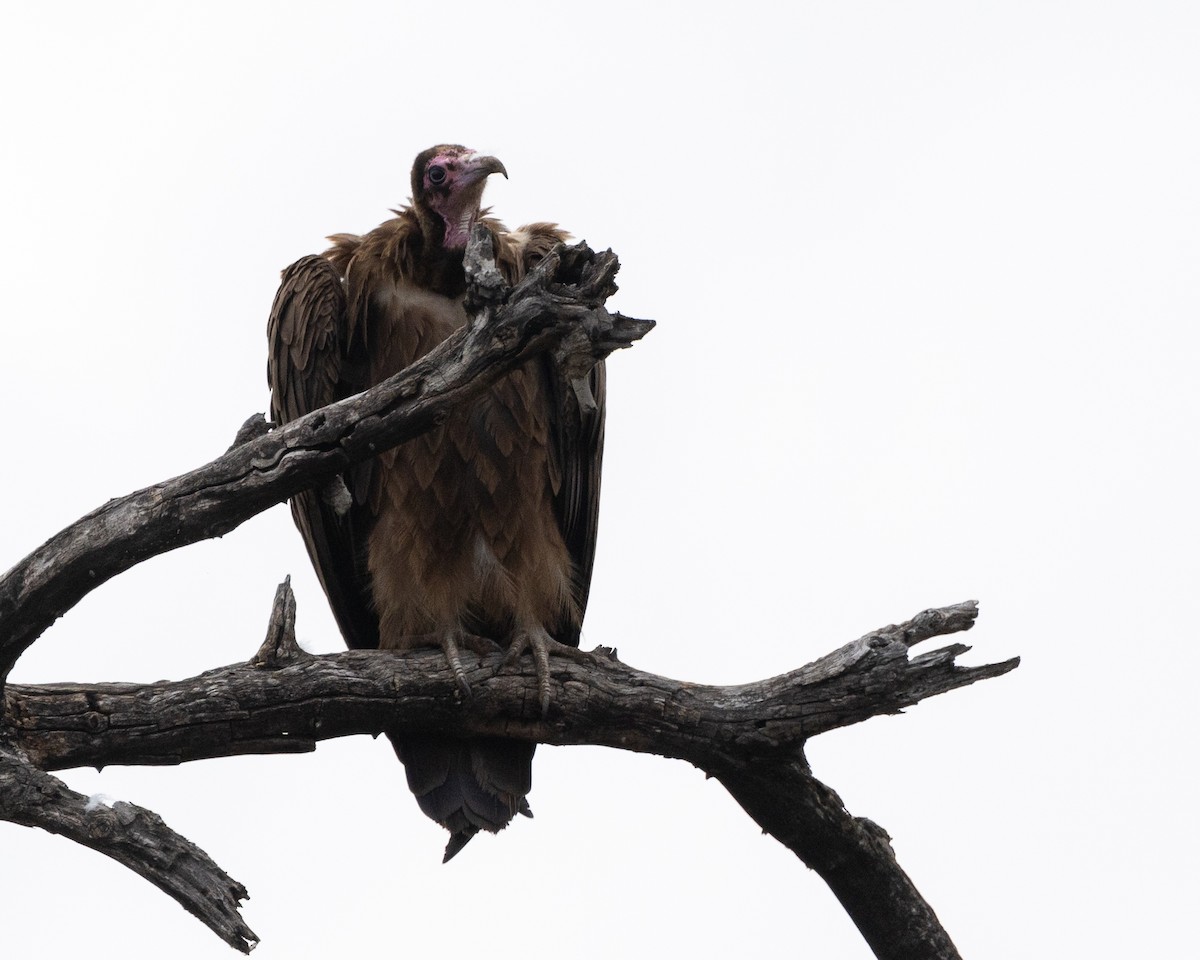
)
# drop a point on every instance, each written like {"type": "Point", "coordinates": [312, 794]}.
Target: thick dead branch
{"type": "Point", "coordinates": [563, 311]}
{"type": "Point", "coordinates": [245, 709]}
{"type": "Point", "coordinates": [749, 736]}
{"type": "Point", "coordinates": [561, 304]}
{"type": "Point", "coordinates": [851, 854]}
{"type": "Point", "coordinates": [132, 836]}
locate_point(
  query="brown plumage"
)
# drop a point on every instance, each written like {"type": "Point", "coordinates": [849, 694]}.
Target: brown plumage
{"type": "Point", "coordinates": [484, 526]}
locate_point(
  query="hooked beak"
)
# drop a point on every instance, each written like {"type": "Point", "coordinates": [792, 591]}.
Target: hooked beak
{"type": "Point", "coordinates": [476, 167]}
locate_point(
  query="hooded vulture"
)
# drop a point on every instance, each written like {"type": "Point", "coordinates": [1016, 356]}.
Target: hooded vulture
{"type": "Point", "coordinates": [484, 527]}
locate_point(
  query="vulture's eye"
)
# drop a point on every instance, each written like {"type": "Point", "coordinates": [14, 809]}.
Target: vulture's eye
{"type": "Point", "coordinates": [436, 174]}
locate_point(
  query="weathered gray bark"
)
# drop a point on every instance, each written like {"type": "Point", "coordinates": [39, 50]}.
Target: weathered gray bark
{"type": "Point", "coordinates": [597, 700]}
{"type": "Point", "coordinates": [750, 737]}
{"type": "Point", "coordinates": [131, 835]}
{"type": "Point", "coordinates": [558, 307]}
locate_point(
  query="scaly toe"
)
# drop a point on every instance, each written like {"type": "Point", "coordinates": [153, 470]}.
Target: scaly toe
{"type": "Point", "coordinates": [541, 645]}
{"type": "Point", "coordinates": [449, 644]}
{"type": "Point", "coordinates": [517, 646]}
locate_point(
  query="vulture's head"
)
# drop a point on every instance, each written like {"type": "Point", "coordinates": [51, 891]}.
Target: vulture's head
{"type": "Point", "coordinates": [447, 183]}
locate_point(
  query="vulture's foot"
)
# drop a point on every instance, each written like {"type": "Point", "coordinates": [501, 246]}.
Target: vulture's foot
{"type": "Point", "coordinates": [449, 642]}
{"type": "Point", "coordinates": [541, 645]}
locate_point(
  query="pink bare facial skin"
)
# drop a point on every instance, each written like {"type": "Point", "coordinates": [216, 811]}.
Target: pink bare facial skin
{"type": "Point", "coordinates": [456, 197]}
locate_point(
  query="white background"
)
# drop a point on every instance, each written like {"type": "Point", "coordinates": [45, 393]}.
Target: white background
{"type": "Point", "coordinates": [925, 277]}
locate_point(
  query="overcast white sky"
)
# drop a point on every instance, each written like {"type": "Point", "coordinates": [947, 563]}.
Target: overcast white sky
{"type": "Point", "coordinates": [925, 277]}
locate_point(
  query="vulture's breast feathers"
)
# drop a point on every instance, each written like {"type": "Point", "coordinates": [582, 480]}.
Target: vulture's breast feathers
{"type": "Point", "coordinates": [465, 533]}
{"type": "Point", "coordinates": [481, 527]}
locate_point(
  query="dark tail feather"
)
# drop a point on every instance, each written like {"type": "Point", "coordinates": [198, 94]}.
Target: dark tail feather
{"type": "Point", "coordinates": [467, 785]}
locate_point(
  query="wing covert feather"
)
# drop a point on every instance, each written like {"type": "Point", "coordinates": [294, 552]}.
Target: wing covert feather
{"type": "Point", "coordinates": [577, 433]}
{"type": "Point", "coordinates": [576, 428]}
{"type": "Point", "coordinates": [308, 368]}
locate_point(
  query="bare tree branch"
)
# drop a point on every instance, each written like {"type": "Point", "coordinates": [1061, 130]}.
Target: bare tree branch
{"type": "Point", "coordinates": [750, 736]}
{"type": "Point", "coordinates": [131, 835]}
{"type": "Point", "coordinates": [559, 305]}
{"type": "Point", "coordinates": [302, 699]}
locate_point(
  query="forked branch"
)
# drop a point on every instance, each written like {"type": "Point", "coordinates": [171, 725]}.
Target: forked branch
{"type": "Point", "coordinates": [751, 736]}
{"type": "Point", "coordinates": [565, 308]}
